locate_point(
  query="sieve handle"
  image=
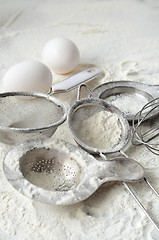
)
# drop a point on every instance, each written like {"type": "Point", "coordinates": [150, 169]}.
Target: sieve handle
{"type": "Point", "coordinates": [79, 91]}
{"type": "Point", "coordinates": [72, 82]}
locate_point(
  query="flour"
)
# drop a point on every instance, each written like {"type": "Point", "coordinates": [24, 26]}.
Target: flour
{"type": "Point", "coordinates": [113, 36]}
{"type": "Point", "coordinates": [127, 103]}
{"type": "Point", "coordinates": [102, 130]}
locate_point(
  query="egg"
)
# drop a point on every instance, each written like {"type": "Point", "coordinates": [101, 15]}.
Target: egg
{"type": "Point", "coordinates": [30, 76]}
{"type": "Point", "coordinates": [61, 55]}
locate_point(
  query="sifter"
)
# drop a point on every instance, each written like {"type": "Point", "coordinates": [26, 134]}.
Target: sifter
{"type": "Point", "coordinates": [26, 115]}
{"type": "Point", "coordinates": [56, 172]}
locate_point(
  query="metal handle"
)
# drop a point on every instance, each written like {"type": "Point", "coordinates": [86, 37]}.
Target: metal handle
{"type": "Point", "coordinates": [72, 82]}
{"type": "Point", "coordinates": [79, 91]}
{"type": "Point", "coordinates": [137, 200]}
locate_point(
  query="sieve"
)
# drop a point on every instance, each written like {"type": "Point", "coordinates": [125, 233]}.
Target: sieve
{"type": "Point", "coordinates": [56, 172]}
{"type": "Point", "coordinates": [84, 109]}
{"type": "Point", "coordinates": [123, 93]}
{"type": "Point", "coordinates": [26, 115]}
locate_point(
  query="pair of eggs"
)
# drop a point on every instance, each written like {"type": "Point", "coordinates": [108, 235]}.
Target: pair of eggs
{"type": "Point", "coordinates": [59, 54]}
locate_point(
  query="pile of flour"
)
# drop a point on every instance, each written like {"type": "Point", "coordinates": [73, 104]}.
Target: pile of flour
{"type": "Point", "coordinates": [102, 130]}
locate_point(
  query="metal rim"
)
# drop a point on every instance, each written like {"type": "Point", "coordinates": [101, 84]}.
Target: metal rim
{"type": "Point", "coordinates": [41, 95]}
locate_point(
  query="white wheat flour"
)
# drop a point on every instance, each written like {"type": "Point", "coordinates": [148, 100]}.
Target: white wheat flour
{"type": "Point", "coordinates": [102, 130]}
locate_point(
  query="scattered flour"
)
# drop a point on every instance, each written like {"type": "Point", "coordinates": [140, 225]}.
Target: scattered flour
{"type": "Point", "coordinates": [102, 130]}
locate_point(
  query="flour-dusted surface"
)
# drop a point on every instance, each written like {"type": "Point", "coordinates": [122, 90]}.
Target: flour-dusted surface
{"type": "Point", "coordinates": [122, 38]}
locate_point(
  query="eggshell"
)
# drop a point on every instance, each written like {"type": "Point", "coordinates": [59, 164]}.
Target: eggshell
{"type": "Point", "coordinates": [30, 76]}
{"type": "Point", "coordinates": [61, 55]}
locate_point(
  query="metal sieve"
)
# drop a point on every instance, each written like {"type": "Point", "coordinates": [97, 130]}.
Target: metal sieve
{"type": "Point", "coordinates": [120, 93]}
{"type": "Point", "coordinates": [84, 109]}
{"type": "Point", "coordinates": [26, 115]}
{"type": "Point", "coordinates": [56, 172]}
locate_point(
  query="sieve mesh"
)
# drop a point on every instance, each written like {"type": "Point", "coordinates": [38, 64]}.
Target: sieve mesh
{"type": "Point", "coordinates": [96, 126]}
{"type": "Point", "coordinates": [52, 170]}
{"type": "Point", "coordinates": [28, 112]}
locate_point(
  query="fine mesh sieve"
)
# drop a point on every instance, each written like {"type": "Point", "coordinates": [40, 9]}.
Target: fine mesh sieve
{"type": "Point", "coordinates": [56, 172]}
{"type": "Point", "coordinates": [27, 115]}
{"type": "Point", "coordinates": [83, 125]}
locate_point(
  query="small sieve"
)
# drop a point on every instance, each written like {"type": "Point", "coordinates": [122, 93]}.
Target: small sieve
{"type": "Point", "coordinates": [128, 96]}
{"type": "Point", "coordinates": [26, 115]}
{"type": "Point", "coordinates": [84, 109]}
{"type": "Point", "coordinates": [56, 172]}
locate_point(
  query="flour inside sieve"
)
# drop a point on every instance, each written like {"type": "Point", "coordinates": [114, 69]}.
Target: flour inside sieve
{"type": "Point", "coordinates": [97, 127]}
{"type": "Point", "coordinates": [28, 112]}
{"type": "Point", "coordinates": [52, 170]}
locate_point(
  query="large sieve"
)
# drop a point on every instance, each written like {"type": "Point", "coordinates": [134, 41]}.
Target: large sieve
{"type": "Point", "coordinates": [26, 115]}
{"type": "Point", "coordinates": [56, 172]}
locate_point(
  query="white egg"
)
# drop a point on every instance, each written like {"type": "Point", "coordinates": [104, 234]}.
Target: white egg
{"type": "Point", "coordinates": [61, 55]}
{"type": "Point", "coordinates": [30, 76]}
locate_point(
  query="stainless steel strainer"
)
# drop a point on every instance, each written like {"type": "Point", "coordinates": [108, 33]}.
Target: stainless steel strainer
{"type": "Point", "coordinates": [56, 172]}
{"type": "Point", "coordinates": [26, 115]}
{"type": "Point", "coordinates": [83, 110]}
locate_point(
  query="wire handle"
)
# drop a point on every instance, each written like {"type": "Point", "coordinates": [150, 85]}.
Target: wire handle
{"type": "Point", "coordinates": [137, 200]}
{"type": "Point", "coordinates": [79, 91]}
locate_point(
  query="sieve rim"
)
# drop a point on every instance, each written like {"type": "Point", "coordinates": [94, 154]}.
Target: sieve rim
{"type": "Point", "coordinates": [123, 121]}
{"type": "Point", "coordinates": [40, 95]}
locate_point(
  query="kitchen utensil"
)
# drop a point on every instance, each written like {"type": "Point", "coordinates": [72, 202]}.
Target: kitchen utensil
{"type": "Point", "coordinates": [146, 133]}
{"type": "Point", "coordinates": [56, 172]}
